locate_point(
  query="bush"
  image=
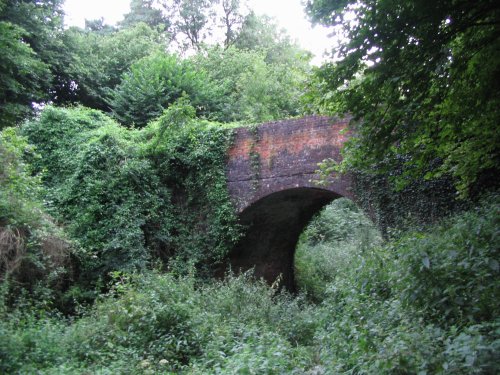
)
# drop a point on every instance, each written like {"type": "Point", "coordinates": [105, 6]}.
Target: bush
{"type": "Point", "coordinates": [153, 323]}
{"type": "Point", "coordinates": [34, 252]}
{"type": "Point", "coordinates": [336, 236]}
{"type": "Point", "coordinates": [154, 83]}
{"type": "Point", "coordinates": [159, 323]}
{"type": "Point", "coordinates": [452, 271]}
{"type": "Point", "coordinates": [391, 309]}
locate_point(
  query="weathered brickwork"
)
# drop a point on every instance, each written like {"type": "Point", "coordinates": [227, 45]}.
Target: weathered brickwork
{"type": "Point", "coordinates": [282, 155]}
{"type": "Point", "coordinates": [271, 172]}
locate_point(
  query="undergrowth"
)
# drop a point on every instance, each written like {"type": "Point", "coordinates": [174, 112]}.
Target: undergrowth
{"type": "Point", "coordinates": [385, 310]}
{"type": "Point", "coordinates": [34, 251]}
{"type": "Point", "coordinates": [336, 236]}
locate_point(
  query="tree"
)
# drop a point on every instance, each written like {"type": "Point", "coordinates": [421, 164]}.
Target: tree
{"type": "Point", "coordinates": [155, 82]}
{"type": "Point", "coordinates": [143, 11]}
{"type": "Point", "coordinates": [422, 82]}
{"type": "Point", "coordinates": [32, 63]}
{"type": "Point", "coordinates": [250, 88]}
{"type": "Point", "coordinates": [257, 32]}
{"type": "Point", "coordinates": [100, 186]}
{"type": "Point", "coordinates": [21, 73]}
{"type": "Point", "coordinates": [231, 19]}
{"type": "Point", "coordinates": [191, 19]}
{"type": "Point", "coordinates": [262, 33]}
{"type": "Point", "coordinates": [98, 60]}
{"type": "Point", "coordinates": [99, 26]}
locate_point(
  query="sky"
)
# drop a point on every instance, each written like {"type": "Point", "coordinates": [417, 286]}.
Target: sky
{"type": "Point", "coordinates": [289, 14]}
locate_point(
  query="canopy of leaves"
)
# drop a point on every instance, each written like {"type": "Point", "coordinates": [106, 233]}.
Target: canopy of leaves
{"type": "Point", "coordinates": [155, 82]}
{"type": "Point", "coordinates": [22, 75]}
{"type": "Point", "coordinates": [422, 81]}
{"type": "Point", "coordinates": [249, 88]}
{"type": "Point", "coordinates": [119, 70]}
{"type": "Point", "coordinates": [99, 59]}
{"type": "Point", "coordinates": [31, 61]}
{"type": "Point", "coordinates": [193, 17]}
{"type": "Point", "coordinates": [261, 33]}
{"type": "Point", "coordinates": [143, 11]}
{"type": "Point", "coordinates": [231, 19]}
{"type": "Point", "coordinates": [195, 23]}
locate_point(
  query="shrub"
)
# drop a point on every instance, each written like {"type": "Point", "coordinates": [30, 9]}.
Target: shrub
{"type": "Point", "coordinates": [128, 197]}
{"type": "Point", "coordinates": [391, 310]}
{"type": "Point", "coordinates": [32, 249]}
{"type": "Point", "coordinates": [336, 236]}
{"type": "Point", "coordinates": [153, 323]}
{"type": "Point", "coordinates": [452, 271]}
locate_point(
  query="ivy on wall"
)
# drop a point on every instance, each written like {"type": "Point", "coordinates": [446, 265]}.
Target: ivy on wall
{"type": "Point", "coordinates": [132, 197]}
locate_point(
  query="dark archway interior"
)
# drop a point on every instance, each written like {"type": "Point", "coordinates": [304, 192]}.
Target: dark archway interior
{"type": "Point", "coordinates": [274, 224]}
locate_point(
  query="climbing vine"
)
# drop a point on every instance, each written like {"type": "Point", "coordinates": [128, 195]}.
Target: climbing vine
{"type": "Point", "coordinates": [392, 206]}
{"type": "Point", "coordinates": [190, 158]}
{"type": "Point", "coordinates": [132, 198]}
{"type": "Point", "coordinates": [421, 202]}
{"type": "Point", "coordinates": [254, 156]}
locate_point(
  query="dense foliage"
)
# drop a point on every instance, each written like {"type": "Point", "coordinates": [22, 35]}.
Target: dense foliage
{"type": "Point", "coordinates": [251, 87]}
{"type": "Point", "coordinates": [421, 80]}
{"type": "Point", "coordinates": [34, 252]}
{"type": "Point", "coordinates": [128, 197]}
{"type": "Point", "coordinates": [135, 70]}
{"type": "Point", "coordinates": [425, 303]}
{"type": "Point", "coordinates": [154, 83]}
{"type": "Point", "coordinates": [98, 59]}
{"type": "Point", "coordinates": [334, 237]}
{"type": "Point", "coordinates": [115, 213]}
{"type": "Point", "coordinates": [30, 62]}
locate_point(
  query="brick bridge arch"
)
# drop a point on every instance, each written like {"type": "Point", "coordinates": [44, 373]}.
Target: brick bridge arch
{"type": "Point", "coordinates": [270, 170]}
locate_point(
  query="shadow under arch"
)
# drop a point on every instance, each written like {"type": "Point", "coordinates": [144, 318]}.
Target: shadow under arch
{"type": "Point", "coordinates": [273, 226]}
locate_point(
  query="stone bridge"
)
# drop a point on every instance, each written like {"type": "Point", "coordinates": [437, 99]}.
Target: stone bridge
{"type": "Point", "coordinates": [271, 172]}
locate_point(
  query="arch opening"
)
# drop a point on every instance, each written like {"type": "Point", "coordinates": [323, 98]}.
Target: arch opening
{"type": "Point", "coordinates": [273, 226]}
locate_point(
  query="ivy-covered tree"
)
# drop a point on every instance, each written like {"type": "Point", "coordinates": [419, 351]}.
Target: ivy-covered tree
{"type": "Point", "coordinates": [422, 82]}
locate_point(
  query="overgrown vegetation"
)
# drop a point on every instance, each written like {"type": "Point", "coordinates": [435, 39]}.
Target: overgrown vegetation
{"type": "Point", "coordinates": [114, 209]}
{"type": "Point", "coordinates": [128, 198]}
{"type": "Point", "coordinates": [34, 252]}
{"type": "Point", "coordinates": [339, 234]}
{"type": "Point", "coordinates": [424, 303]}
